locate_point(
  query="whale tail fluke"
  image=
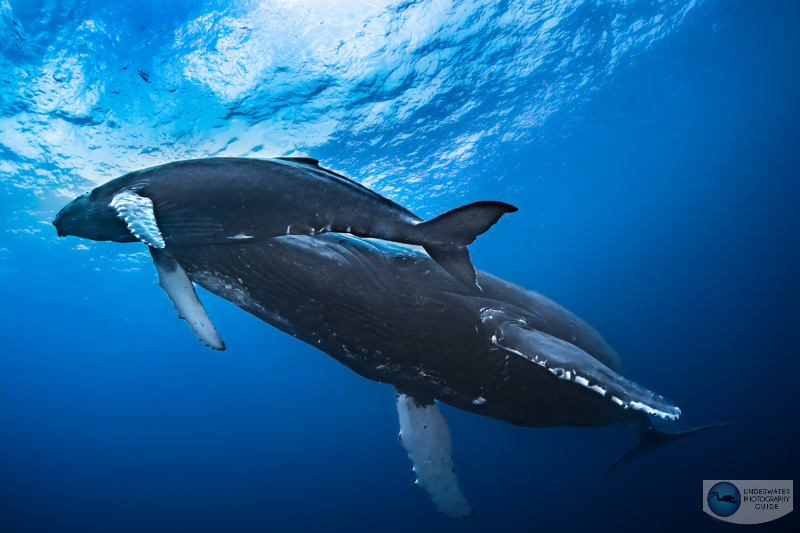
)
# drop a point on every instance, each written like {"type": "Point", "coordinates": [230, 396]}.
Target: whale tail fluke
{"type": "Point", "coordinates": [446, 237]}
{"type": "Point", "coordinates": [653, 438]}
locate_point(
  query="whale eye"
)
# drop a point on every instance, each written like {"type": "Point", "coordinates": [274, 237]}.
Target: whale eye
{"type": "Point", "coordinates": [403, 260]}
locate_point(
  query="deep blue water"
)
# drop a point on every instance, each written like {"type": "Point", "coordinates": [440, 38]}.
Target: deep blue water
{"type": "Point", "coordinates": [652, 148]}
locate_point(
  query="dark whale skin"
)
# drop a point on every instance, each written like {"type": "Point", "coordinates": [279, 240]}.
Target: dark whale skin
{"type": "Point", "coordinates": [393, 316]}
{"type": "Point", "coordinates": [215, 199]}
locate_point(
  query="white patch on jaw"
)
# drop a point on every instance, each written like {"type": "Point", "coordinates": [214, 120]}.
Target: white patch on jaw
{"type": "Point", "coordinates": [241, 236]}
{"type": "Point", "coordinates": [480, 400]}
{"type": "Point", "coordinates": [580, 380]}
{"type": "Point", "coordinates": [566, 375]}
{"type": "Point", "coordinates": [639, 406]}
{"type": "Point", "coordinates": [598, 389]}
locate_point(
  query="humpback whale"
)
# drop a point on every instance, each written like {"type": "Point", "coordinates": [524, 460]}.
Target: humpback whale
{"type": "Point", "coordinates": [389, 312]}
{"type": "Point", "coordinates": [215, 200]}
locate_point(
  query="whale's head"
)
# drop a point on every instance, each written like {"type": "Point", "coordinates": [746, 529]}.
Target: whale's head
{"type": "Point", "coordinates": [92, 216]}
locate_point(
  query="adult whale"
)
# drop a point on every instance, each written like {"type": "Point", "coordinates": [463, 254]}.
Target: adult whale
{"type": "Point", "coordinates": [215, 200]}
{"type": "Point", "coordinates": [390, 314]}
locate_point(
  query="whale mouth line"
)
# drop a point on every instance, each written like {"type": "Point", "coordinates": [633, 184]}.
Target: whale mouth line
{"type": "Point", "coordinates": [570, 363]}
{"type": "Point", "coordinates": [573, 377]}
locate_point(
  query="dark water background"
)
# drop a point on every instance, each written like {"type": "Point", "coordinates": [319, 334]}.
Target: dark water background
{"type": "Point", "coordinates": [658, 200]}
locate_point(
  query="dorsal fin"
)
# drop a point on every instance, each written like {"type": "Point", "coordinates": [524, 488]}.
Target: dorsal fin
{"type": "Point", "coordinates": [310, 161]}
{"type": "Point", "coordinates": [301, 160]}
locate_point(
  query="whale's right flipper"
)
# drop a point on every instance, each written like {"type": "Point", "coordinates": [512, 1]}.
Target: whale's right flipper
{"type": "Point", "coordinates": [426, 437]}
{"type": "Point", "coordinates": [446, 237]}
{"type": "Point", "coordinates": [175, 282]}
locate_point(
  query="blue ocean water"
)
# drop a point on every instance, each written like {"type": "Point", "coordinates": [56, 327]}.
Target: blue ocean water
{"type": "Point", "coordinates": [651, 148]}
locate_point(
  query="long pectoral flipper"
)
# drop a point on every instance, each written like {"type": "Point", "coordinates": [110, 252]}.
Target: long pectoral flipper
{"type": "Point", "coordinates": [173, 279]}
{"type": "Point", "coordinates": [426, 437]}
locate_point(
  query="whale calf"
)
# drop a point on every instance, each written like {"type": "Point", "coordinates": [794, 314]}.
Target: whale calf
{"type": "Point", "coordinates": [216, 200]}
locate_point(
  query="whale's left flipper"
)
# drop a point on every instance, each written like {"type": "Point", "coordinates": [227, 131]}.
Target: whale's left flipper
{"type": "Point", "coordinates": [426, 437]}
{"type": "Point", "coordinates": [175, 282]}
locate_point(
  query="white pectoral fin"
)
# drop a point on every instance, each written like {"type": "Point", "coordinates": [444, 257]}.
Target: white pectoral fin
{"type": "Point", "coordinates": [176, 283]}
{"type": "Point", "coordinates": [137, 212]}
{"type": "Point", "coordinates": [426, 437]}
